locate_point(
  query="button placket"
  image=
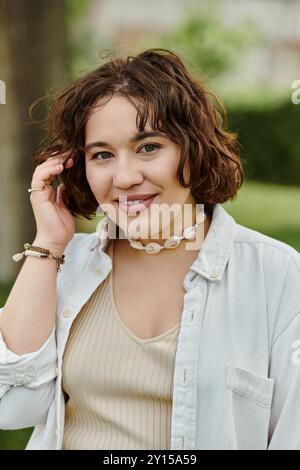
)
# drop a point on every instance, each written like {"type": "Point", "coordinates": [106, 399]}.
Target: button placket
{"type": "Point", "coordinates": [187, 388]}
{"type": "Point", "coordinates": [214, 274]}
{"type": "Point", "coordinates": [67, 312]}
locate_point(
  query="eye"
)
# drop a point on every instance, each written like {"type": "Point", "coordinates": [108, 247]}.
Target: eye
{"type": "Point", "coordinates": [105, 154]}
{"type": "Point", "coordinates": [101, 153]}
{"type": "Point", "coordinates": [151, 146]}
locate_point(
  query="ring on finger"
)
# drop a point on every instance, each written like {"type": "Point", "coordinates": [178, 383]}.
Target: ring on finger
{"type": "Point", "coordinates": [35, 189]}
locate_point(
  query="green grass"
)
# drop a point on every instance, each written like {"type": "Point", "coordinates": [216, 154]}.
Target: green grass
{"type": "Point", "coordinates": [270, 209]}
{"type": "Point", "coordinates": [4, 291]}
{"type": "Point", "coordinates": [14, 440]}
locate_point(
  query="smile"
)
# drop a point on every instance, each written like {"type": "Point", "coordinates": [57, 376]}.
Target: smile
{"type": "Point", "coordinates": [131, 207]}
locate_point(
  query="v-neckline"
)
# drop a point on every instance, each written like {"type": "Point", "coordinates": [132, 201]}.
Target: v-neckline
{"type": "Point", "coordinates": [116, 312]}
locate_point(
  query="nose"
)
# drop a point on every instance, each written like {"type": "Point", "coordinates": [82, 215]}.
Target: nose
{"type": "Point", "coordinates": [126, 172]}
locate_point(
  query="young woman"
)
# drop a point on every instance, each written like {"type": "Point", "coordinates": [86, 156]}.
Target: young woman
{"type": "Point", "coordinates": [188, 339]}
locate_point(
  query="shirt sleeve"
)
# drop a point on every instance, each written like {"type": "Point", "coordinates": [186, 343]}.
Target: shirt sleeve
{"type": "Point", "coordinates": [23, 407]}
{"type": "Point", "coordinates": [32, 370]}
{"type": "Point", "coordinates": [284, 430]}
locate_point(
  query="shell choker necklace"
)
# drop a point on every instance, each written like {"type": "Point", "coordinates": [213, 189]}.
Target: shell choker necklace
{"type": "Point", "coordinates": [170, 243]}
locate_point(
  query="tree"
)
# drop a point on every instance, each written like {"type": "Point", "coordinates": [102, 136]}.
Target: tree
{"type": "Point", "coordinates": [207, 45]}
{"type": "Point", "coordinates": [34, 55]}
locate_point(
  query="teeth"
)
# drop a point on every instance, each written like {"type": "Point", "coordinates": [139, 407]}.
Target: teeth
{"type": "Point", "coordinates": [131, 203]}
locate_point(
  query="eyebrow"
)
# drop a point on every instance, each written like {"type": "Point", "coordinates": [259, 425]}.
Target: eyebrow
{"type": "Point", "coordinates": [134, 139]}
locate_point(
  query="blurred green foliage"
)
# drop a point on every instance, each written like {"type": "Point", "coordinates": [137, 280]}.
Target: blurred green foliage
{"type": "Point", "coordinates": [15, 440]}
{"type": "Point", "coordinates": [269, 135]}
{"type": "Point", "coordinates": [207, 46]}
{"type": "Point", "coordinates": [88, 49]}
{"type": "Point", "coordinates": [4, 291]}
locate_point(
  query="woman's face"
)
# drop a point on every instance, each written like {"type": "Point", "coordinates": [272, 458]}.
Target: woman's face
{"type": "Point", "coordinates": [122, 163]}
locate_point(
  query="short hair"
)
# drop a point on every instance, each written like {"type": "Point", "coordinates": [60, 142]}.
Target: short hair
{"type": "Point", "coordinates": [175, 103]}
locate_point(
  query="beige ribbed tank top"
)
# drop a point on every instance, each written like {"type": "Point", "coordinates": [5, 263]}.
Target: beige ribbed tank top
{"type": "Point", "coordinates": [118, 387]}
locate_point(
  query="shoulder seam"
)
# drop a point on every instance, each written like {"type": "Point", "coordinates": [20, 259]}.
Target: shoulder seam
{"type": "Point", "coordinates": [287, 323]}
{"type": "Point", "coordinates": [274, 246]}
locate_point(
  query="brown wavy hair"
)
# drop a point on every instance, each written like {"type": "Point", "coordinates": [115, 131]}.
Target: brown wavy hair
{"type": "Point", "coordinates": [174, 102]}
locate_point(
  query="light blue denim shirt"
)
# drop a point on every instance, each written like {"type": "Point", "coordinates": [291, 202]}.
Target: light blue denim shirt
{"type": "Point", "coordinates": [237, 365]}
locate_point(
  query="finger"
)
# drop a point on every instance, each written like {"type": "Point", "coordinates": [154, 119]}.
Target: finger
{"type": "Point", "coordinates": [45, 175]}
{"type": "Point", "coordinates": [51, 193]}
{"type": "Point", "coordinates": [54, 160]}
{"type": "Point", "coordinates": [59, 196]}
{"type": "Point", "coordinates": [69, 163]}
{"type": "Point", "coordinates": [57, 156]}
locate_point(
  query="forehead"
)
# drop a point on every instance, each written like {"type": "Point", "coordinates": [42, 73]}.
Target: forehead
{"type": "Point", "coordinates": [113, 115]}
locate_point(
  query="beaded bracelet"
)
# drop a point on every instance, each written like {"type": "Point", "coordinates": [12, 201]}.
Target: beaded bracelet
{"type": "Point", "coordinates": [37, 251]}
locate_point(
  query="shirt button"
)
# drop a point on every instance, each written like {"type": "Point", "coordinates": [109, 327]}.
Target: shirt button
{"type": "Point", "coordinates": [67, 312]}
{"type": "Point", "coordinates": [98, 271]}
{"type": "Point", "coordinates": [56, 370]}
{"type": "Point", "coordinates": [214, 274]}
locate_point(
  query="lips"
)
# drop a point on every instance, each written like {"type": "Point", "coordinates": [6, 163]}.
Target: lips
{"type": "Point", "coordinates": [133, 208]}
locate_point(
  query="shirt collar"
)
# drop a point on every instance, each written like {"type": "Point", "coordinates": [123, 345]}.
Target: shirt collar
{"type": "Point", "coordinates": [215, 250]}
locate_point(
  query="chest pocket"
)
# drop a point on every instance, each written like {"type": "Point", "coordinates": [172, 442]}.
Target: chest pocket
{"type": "Point", "coordinates": [247, 409]}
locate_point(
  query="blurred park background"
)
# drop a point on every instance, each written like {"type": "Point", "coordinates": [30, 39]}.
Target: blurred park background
{"type": "Point", "coordinates": [247, 51]}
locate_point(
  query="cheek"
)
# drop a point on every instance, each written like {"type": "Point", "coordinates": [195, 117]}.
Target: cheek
{"type": "Point", "coordinates": [167, 166]}
{"type": "Point", "coordinates": [90, 177]}
{"type": "Point", "coordinates": [163, 171]}
{"type": "Point", "coordinates": [96, 180]}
